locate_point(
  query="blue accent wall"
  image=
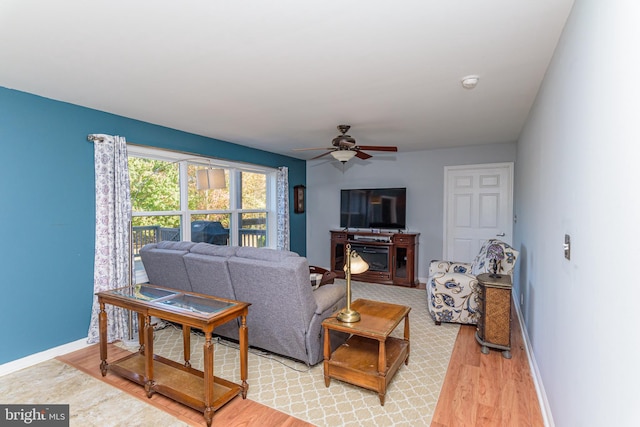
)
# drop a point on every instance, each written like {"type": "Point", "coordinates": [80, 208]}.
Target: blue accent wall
{"type": "Point", "coordinates": [48, 212]}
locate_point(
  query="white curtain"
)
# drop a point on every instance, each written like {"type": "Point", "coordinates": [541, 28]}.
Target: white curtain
{"type": "Point", "coordinates": [112, 265]}
{"type": "Point", "coordinates": [282, 206]}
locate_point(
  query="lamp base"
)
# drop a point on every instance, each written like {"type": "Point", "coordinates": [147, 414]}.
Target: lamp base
{"type": "Point", "coordinates": [348, 316]}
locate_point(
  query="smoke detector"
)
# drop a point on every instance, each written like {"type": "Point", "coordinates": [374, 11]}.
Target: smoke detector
{"type": "Point", "coordinates": [469, 82]}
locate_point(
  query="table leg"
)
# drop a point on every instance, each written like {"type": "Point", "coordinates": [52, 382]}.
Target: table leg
{"type": "Point", "coordinates": [406, 338]}
{"type": "Point", "coordinates": [208, 378]}
{"type": "Point", "coordinates": [141, 333]}
{"type": "Point", "coordinates": [244, 355]}
{"type": "Point", "coordinates": [327, 356]}
{"type": "Point", "coordinates": [148, 355]}
{"type": "Point", "coordinates": [382, 371]}
{"type": "Point", "coordinates": [102, 322]}
{"type": "Point", "coordinates": [186, 342]}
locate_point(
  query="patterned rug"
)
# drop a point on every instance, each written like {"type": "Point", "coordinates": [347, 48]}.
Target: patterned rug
{"type": "Point", "coordinates": [299, 391]}
{"type": "Point", "coordinates": [91, 401]}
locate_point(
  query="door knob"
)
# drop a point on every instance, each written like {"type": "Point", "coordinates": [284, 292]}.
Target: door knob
{"type": "Point", "coordinates": [500, 235]}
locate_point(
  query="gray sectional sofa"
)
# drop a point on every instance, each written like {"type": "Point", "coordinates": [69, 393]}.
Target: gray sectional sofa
{"type": "Point", "coordinates": [285, 315]}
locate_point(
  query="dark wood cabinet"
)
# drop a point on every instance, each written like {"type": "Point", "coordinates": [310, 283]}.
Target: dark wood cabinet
{"type": "Point", "coordinates": [494, 321]}
{"type": "Point", "coordinates": [392, 257]}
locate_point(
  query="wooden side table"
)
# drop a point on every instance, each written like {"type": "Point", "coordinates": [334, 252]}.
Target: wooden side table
{"type": "Point", "coordinates": [494, 323]}
{"type": "Point", "coordinates": [370, 358]}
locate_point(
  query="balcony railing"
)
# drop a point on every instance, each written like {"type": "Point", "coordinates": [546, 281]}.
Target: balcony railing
{"type": "Point", "coordinates": [143, 235]}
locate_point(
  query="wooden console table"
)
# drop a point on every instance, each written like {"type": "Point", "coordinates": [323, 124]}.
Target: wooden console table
{"type": "Point", "coordinates": [494, 323]}
{"type": "Point", "coordinates": [199, 390]}
{"type": "Point", "coordinates": [392, 257]}
{"type": "Point", "coordinates": [370, 358]}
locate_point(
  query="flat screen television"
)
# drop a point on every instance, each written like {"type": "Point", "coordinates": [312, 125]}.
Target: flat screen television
{"type": "Point", "coordinates": [377, 208]}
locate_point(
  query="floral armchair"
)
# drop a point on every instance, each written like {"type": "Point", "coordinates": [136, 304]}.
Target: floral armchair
{"type": "Point", "coordinates": [451, 286]}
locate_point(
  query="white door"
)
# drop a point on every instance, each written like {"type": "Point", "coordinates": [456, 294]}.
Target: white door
{"type": "Point", "coordinates": [478, 206]}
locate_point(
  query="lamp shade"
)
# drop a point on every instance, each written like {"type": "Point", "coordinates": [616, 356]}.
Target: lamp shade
{"type": "Point", "coordinates": [343, 155]}
{"type": "Point", "coordinates": [357, 264]}
{"type": "Point", "coordinates": [208, 179]}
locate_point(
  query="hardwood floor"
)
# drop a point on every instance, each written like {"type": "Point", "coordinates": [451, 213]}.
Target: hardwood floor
{"type": "Point", "coordinates": [479, 390]}
{"type": "Point", "coordinates": [487, 389]}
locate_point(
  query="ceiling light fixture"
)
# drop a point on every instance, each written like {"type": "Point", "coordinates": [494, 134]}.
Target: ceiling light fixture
{"type": "Point", "coordinates": [210, 179]}
{"type": "Point", "coordinates": [469, 82]}
{"type": "Point", "coordinates": [343, 155]}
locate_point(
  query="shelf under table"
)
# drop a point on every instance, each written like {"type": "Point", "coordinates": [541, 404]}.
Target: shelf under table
{"type": "Point", "coordinates": [356, 361]}
{"type": "Point", "coordinates": [171, 379]}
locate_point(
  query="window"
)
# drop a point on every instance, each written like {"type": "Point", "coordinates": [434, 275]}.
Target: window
{"type": "Point", "coordinates": [167, 204]}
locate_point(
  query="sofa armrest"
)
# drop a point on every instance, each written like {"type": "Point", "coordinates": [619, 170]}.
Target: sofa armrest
{"type": "Point", "coordinates": [328, 295]}
{"type": "Point", "coordinates": [454, 277]}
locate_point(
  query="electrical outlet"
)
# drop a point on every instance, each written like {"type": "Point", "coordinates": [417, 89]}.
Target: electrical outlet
{"type": "Point", "coordinates": [567, 246]}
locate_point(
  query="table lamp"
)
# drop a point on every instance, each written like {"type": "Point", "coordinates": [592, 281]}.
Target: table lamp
{"type": "Point", "coordinates": [356, 265]}
{"type": "Point", "coordinates": [495, 253]}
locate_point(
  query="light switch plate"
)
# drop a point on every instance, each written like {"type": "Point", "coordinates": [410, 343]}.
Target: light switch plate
{"type": "Point", "coordinates": [567, 246]}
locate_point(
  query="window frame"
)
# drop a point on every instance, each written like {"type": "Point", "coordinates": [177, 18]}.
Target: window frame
{"type": "Point", "coordinates": [235, 196]}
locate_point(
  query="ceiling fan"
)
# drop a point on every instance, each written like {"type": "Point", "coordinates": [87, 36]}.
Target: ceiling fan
{"type": "Point", "coordinates": [344, 147]}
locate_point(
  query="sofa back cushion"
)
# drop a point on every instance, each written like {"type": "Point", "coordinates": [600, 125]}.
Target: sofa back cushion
{"type": "Point", "coordinates": [264, 254]}
{"type": "Point", "coordinates": [483, 264]}
{"type": "Point", "coordinates": [282, 301]}
{"type": "Point", "coordinates": [214, 250]}
{"type": "Point", "coordinates": [209, 275]}
{"type": "Point", "coordinates": [164, 264]}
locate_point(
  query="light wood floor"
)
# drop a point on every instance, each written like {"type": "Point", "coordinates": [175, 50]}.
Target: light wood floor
{"type": "Point", "coordinates": [479, 390]}
{"type": "Point", "coordinates": [487, 389]}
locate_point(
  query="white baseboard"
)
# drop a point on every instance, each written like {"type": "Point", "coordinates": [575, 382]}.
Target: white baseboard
{"type": "Point", "coordinates": [34, 359]}
{"type": "Point", "coordinates": [537, 380]}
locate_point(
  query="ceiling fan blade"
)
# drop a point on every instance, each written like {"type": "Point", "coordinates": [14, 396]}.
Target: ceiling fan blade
{"type": "Point", "coordinates": [362, 155]}
{"type": "Point", "coordinates": [377, 148]}
{"type": "Point", "coordinates": [315, 148]}
{"type": "Point", "coordinates": [321, 155]}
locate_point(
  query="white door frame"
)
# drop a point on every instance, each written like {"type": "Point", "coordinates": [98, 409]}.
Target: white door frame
{"type": "Point", "coordinates": [508, 223]}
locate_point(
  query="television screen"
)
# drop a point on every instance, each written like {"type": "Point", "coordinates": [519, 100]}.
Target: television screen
{"type": "Point", "coordinates": [384, 208]}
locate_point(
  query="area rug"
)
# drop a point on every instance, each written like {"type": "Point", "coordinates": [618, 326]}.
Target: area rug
{"type": "Point", "coordinates": [91, 401]}
{"type": "Point", "coordinates": [298, 390]}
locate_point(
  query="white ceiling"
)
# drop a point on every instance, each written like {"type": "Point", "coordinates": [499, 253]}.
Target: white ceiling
{"type": "Point", "coordinates": [281, 74]}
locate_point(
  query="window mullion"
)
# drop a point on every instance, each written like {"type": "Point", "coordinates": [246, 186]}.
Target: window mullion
{"type": "Point", "coordinates": [184, 202]}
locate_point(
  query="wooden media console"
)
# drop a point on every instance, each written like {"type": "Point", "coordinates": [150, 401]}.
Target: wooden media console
{"type": "Point", "coordinates": [392, 257]}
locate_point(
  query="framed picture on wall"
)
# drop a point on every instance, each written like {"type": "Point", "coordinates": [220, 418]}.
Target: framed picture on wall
{"type": "Point", "coordinates": [298, 198]}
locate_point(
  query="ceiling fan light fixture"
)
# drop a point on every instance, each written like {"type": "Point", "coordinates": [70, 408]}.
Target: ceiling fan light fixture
{"type": "Point", "coordinates": [343, 155]}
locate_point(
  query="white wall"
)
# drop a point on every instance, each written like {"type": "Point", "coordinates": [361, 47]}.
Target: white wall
{"type": "Point", "coordinates": [577, 172]}
{"type": "Point", "coordinates": [421, 172]}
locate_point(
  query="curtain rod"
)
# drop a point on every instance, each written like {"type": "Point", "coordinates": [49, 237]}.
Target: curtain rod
{"type": "Point", "coordinates": [91, 137]}
{"type": "Point", "coordinates": [97, 138]}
